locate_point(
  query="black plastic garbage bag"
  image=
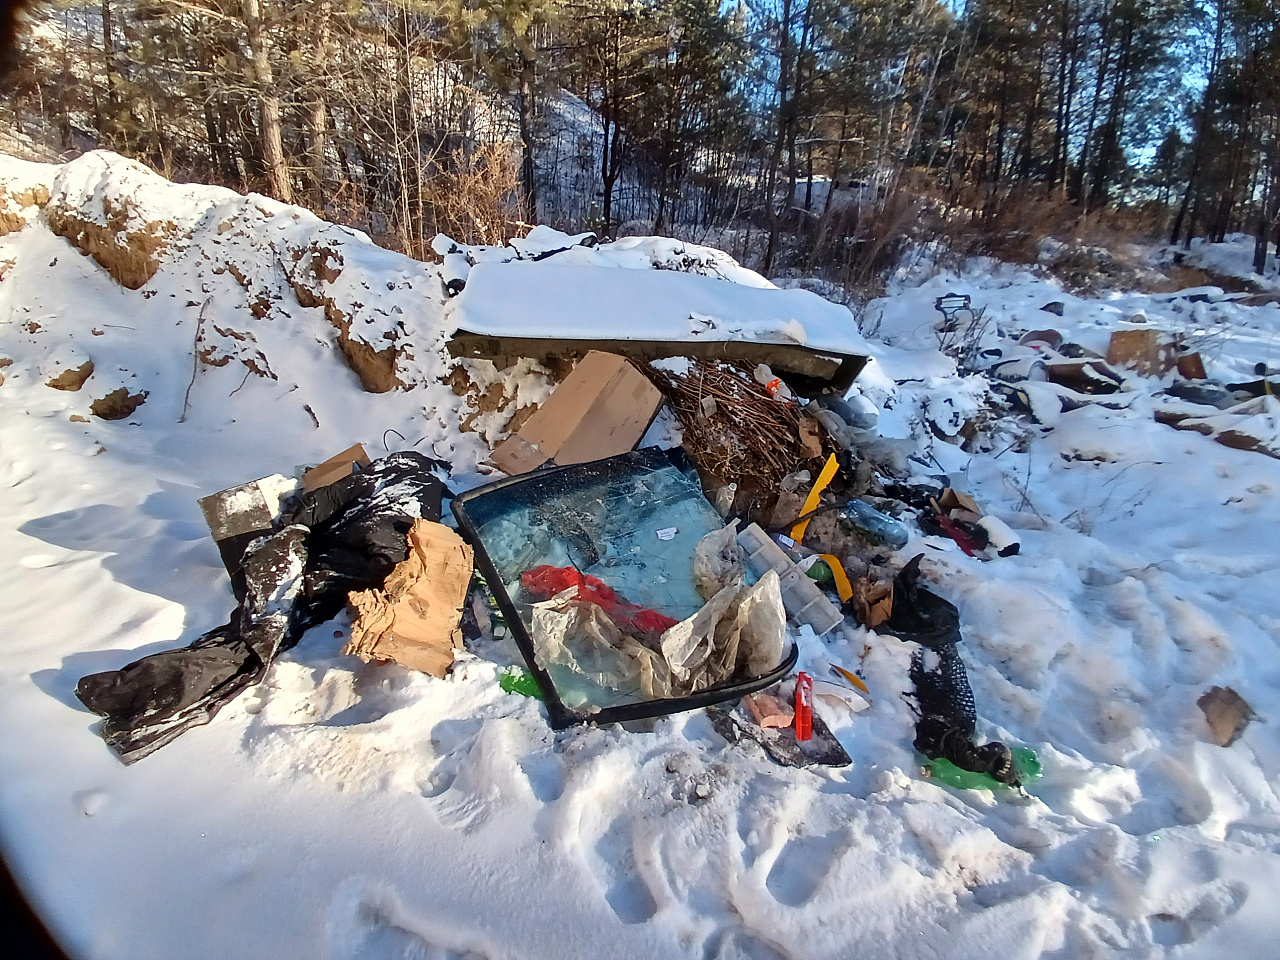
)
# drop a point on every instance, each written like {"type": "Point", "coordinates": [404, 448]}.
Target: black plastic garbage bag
{"type": "Point", "coordinates": [343, 537]}
{"type": "Point", "coordinates": [918, 613]}
{"type": "Point", "coordinates": [947, 713]}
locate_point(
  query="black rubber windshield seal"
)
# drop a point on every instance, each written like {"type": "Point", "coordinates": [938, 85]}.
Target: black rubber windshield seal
{"type": "Point", "coordinates": [560, 715]}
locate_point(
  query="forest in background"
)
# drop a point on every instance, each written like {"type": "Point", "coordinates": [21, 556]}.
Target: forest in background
{"type": "Point", "coordinates": [815, 137]}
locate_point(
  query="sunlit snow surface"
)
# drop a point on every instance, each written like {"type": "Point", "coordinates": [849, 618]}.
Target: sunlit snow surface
{"type": "Point", "coordinates": [345, 810]}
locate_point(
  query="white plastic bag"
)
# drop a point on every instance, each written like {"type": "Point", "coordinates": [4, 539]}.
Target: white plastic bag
{"type": "Point", "coordinates": [718, 562]}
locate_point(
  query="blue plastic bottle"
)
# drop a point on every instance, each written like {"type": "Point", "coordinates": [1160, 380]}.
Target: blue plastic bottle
{"type": "Point", "coordinates": [873, 526]}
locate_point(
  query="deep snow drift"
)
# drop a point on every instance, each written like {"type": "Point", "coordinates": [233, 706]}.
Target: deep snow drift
{"type": "Point", "coordinates": [348, 810]}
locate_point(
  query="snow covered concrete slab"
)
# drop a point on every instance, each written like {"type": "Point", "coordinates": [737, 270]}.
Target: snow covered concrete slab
{"type": "Point", "coordinates": [548, 299]}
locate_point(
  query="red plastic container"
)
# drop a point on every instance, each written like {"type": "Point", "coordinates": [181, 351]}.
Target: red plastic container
{"type": "Point", "coordinates": [804, 706]}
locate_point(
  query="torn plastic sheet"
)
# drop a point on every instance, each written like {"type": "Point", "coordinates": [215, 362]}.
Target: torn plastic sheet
{"type": "Point", "coordinates": [602, 519]}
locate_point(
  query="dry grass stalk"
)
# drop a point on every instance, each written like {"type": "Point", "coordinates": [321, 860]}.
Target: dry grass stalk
{"type": "Point", "coordinates": [474, 196]}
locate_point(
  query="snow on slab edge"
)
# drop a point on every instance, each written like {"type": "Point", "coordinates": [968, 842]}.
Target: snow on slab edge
{"type": "Point", "coordinates": [547, 299]}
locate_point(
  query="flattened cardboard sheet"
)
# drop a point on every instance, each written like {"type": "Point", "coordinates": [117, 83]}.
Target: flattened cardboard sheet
{"type": "Point", "coordinates": [601, 409]}
{"type": "Point", "coordinates": [335, 468]}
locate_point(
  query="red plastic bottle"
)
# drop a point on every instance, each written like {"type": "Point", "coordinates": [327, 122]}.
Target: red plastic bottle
{"type": "Point", "coordinates": [804, 706]}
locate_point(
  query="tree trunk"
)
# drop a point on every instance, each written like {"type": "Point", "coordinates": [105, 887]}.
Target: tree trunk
{"type": "Point", "coordinates": [317, 122]}
{"type": "Point", "coordinates": [528, 173]}
{"type": "Point", "coordinates": [1202, 124]}
{"type": "Point", "coordinates": [1078, 187]}
{"type": "Point", "coordinates": [109, 55]}
{"type": "Point", "coordinates": [273, 160]}
{"type": "Point", "coordinates": [786, 107]}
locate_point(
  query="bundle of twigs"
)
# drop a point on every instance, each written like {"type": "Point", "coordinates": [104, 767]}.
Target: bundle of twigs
{"type": "Point", "coordinates": [749, 435]}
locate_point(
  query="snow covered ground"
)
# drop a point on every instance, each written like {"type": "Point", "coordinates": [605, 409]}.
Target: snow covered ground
{"type": "Point", "coordinates": [345, 810]}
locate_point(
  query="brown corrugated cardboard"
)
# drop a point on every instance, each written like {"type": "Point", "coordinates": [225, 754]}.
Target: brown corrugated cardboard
{"type": "Point", "coordinates": [953, 499]}
{"type": "Point", "coordinates": [335, 468]}
{"type": "Point", "coordinates": [414, 619]}
{"type": "Point", "coordinates": [600, 410]}
{"type": "Point", "coordinates": [1149, 352]}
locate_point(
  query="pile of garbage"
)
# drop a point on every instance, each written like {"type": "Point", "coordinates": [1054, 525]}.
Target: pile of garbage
{"type": "Point", "coordinates": [634, 583]}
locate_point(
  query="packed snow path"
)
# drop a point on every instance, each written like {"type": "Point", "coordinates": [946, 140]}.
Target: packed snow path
{"type": "Point", "coordinates": [344, 810]}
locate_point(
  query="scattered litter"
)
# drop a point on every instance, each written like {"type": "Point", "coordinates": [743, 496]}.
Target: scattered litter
{"type": "Point", "coordinates": [736, 724]}
{"type": "Point", "coordinates": [238, 515]}
{"type": "Point", "coordinates": [773, 386]}
{"type": "Point", "coordinates": [521, 681]}
{"type": "Point", "coordinates": [1227, 714]}
{"type": "Point", "coordinates": [844, 589]}
{"type": "Point", "coordinates": [769, 711]}
{"type": "Point", "coordinates": [651, 315]}
{"type": "Point", "coordinates": [1003, 540]}
{"type": "Point", "coordinates": [851, 677]}
{"type": "Point", "coordinates": [718, 561]}
{"type": "Point", "coordinates": [1206, 393]}
{"type": "Point", "coordinates": [668, 533]}
{"type": "Point", "coordinates": [1256, 388]}
{"type": "Point", "coordinates": [322, 545]}
{"type": "Point", "coordinates": [1252, 425]}
{"type": "Point", "coordinates": [815, 496]}
{"type": "Point", "coordinates": [1026, 768]}
{"type": "Point", "coordinates": [1191, 366]}
{"type": "Point", "coordinates": [1038, 339]}
{"type": "Point", "coordinates": [804, 600]}
{"type": "Point", "coordinates": [751, 440]}
{"type": "Point", "coordinates": [1084, 376]}
{"type": "Point", "coordinates": [871, 602]}
{"type": "Point", "coordinates": [876, 528]}
{"type": "Point", "coordinates": [946, 711]}
{"type": "Point", "coordinates": [547, 583]}
{"type": "Point", "coordinates": [840, 695]}
{"type": "Point", "coordinates": [804, 707]}
{"type": "Point", "coordinates": [951, 305]}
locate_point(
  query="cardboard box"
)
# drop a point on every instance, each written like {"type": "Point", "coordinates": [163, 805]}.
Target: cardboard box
{"type": "Point", "coordinates": [335, 468]}
{"type": "Point", "coordinates": [953, 499]}
{"type": "Point", "coordinates": [873, 602]}
{"type": "Point", "coordinates": [1148, 352]}
{"type": "Point", "coordinates": [239, 515]}
{"type": "Point", "coordinates": [415, 618]}
{"type": "Point", "coordinates": [601, 409]}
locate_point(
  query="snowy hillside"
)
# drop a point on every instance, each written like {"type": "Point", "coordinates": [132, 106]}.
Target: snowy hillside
{"type": "Point", "coordinates": [350, 810]}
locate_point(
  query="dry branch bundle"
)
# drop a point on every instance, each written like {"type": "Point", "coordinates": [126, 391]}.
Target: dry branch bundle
{"type": "Point", "coordinates": [750, 436]}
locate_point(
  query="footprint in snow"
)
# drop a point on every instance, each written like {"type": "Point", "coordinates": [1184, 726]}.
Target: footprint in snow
{"type": "Point", "coordinates": [373, 931]}
{"type": "Point", "coordinates": [480, 779]}
{"type": "Point", "coordinates": [1217, 902]}
{"type": "Point", "coordinates": [741, 945]}
{"type": "Point", "coordinates": [802, 865]}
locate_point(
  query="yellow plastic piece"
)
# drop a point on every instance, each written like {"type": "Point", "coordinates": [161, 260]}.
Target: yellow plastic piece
{"type": "Point", "coordinates": [851, 677]}
{"type": "Point", "coordinates": [843, 587]}
{"type": "Point", "coordinates": [815, 496]}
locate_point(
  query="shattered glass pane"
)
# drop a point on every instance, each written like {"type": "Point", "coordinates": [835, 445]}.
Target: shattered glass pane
{"type": "Point", "coordinates": [603, 520]}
